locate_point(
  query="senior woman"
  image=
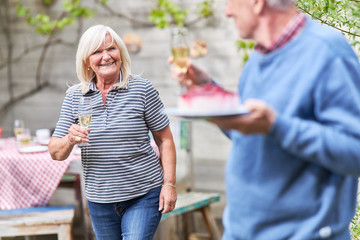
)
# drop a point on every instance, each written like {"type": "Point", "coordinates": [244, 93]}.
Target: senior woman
{"type": "Point", "coordinates": [126, 186]}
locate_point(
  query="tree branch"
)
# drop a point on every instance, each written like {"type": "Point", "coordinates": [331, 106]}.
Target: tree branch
{"type": "Point", "coordinates": [143, 23]}
{"type": "Point", "coordinates": [121, 15]}
{"type": "Point", "coordinates": [8, 105]}
{"type": "Point", "coordinates": [28, 50]}
{"type": "Point", "coordinates": [325, 22]}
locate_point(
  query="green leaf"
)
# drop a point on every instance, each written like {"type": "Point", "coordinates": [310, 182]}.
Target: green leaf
{"type": "Point", "coordinates": [68, 6]}
{"type": "Point", "coordinates": [21, 11]}
{"type": "Point", "coordinates": [245, 57]}
{"type": "Point", "coordinates": [205, 8]}
{"type": "Point", "coordinates": [158, 17]}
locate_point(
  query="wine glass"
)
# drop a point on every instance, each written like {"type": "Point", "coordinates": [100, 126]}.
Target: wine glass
{"type": "Point", "coordinates": [85, 114]}
{"type": "Point", "coordinates": [19, 127]}
{"type": "Point", "coordinates": [25, 137]}
{"type": "Point", "coordinates": [180, 48]}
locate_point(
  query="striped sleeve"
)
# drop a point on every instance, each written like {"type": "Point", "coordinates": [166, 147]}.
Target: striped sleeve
{"type": "Point", "coordinates": [66, 116]}
{"type": "Point", "coordinates": [155, 116]}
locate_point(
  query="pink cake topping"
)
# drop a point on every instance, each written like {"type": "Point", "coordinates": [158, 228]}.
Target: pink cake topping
{"type": "Point", "coordinates": [208, 98]}
{"type": "Point", "coordinates": [208, 89]}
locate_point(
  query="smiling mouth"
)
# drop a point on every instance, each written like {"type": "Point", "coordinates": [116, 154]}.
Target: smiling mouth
{"type": "Point", "coordinates": [106, 65]}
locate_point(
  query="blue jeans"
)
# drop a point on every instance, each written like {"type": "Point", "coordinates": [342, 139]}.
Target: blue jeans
{"type": "Point", "coordinates": [135, 219]}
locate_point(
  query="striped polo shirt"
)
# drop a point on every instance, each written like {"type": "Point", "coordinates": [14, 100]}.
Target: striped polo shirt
{"type": "Point", "coordinates": [119, 164]}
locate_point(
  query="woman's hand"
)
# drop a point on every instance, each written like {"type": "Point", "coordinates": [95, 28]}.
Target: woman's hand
{"type": "Point", "coordinates": [168, 197]}
{"type": "Point", "coordinates": [165, 143]}
{"type": "Point", "coordinates": [77, 134]}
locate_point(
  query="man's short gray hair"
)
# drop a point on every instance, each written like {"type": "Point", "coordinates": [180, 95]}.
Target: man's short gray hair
{"type": "Point", "coordinates": [280, 4]}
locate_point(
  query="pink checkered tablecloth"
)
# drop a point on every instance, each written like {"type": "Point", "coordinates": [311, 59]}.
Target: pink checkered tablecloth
{"type": "Point", "coordinates": [28, 179]}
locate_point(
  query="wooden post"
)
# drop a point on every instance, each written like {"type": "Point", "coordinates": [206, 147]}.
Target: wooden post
{"type": "Point", "coordinates": [210, 222]}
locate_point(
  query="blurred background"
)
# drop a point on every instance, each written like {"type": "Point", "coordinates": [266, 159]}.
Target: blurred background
{"type": "Point", "coordinates": [38, 42]}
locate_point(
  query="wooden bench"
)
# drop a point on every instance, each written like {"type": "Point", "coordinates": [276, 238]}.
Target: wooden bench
{"type": "Point", "coordinates": [37, 221]}
{"type": "Point", "coordinates": [198, 201]}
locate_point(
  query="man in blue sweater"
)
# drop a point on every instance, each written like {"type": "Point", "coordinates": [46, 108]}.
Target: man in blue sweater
{"type": "Point", "coordinates": [293, 168]}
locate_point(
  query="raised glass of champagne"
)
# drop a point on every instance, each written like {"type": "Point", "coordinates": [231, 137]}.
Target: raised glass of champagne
{"type": "Point", "coordinates": [85, 114]}
{"type": "Point", "coordinates": [180, 48]}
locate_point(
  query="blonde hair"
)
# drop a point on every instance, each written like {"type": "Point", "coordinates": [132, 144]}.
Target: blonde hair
{"type": "Point", "coordinates": [89, 42]}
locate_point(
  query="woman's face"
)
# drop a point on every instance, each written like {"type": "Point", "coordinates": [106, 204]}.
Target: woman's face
{"type": "Point", "coordinates": [106, 60]}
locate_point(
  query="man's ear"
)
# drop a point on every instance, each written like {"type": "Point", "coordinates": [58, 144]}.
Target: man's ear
{"type": "Point", "coordinates": [258, 6]}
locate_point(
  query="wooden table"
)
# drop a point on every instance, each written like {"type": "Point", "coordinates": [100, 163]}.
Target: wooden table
{"type": "Point", "coordinates": [28, 178]}
{"type": "Point", "coordinates": [37, 221]}
{"type": "Point", "coordinates": [188, 202]}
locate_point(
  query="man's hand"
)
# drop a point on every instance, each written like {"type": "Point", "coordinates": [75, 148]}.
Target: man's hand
{"type": "Point", "coordinates": [193, 76]}
{"type": "Point", "coordinates": [259, 120]}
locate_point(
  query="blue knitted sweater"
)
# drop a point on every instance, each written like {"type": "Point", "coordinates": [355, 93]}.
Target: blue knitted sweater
{"type": "Point", "coordinates": [299, 182]}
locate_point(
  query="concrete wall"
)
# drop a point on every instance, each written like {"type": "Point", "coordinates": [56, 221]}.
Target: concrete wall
{"type": "Point", "coordinates": [41, 110]}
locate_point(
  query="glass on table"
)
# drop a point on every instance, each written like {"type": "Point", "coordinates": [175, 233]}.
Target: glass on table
{"type": "Point", "coordinates": [19, 127]}
{"type": "Point", "coordinates": [25, 137]}
{"type": "Point", "coordinates": [85, 114]}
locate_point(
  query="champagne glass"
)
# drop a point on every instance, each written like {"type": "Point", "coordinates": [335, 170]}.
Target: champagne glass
{"type": "Point", "coordinates": [85, 114]}
{"type": "Point", "coordinates": [180, 48]}
{"type": "Point", "coordinates": [19, 127]}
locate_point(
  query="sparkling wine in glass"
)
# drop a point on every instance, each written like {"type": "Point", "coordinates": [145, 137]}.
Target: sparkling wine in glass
{"type": "Point", "coordinates": [85, 114]}
{"type": "Point", "coordinates": [19, 127]}
{"type": "Point", "coordinates": [180, 48]}
{"type": "Point", "coordinates": [25, 137]}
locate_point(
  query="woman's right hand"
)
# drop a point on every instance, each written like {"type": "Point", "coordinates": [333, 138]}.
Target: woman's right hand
{"type": "Point", "coordinates": [193, 76]}
{"type": "Point", "coordinates": [77, 134]}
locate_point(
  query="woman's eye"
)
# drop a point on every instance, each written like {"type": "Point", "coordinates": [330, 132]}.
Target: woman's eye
{"type": "Point", "coordinates": [96, 52]}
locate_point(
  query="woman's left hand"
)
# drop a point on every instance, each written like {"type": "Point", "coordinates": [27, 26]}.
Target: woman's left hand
{"type": "Point", "coordinates": [168, 197]}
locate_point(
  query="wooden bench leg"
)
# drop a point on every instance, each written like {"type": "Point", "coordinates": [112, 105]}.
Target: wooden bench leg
{"type": "Point", "coordinates": [65, 232]}
{"type": "Point", "coordinates": [210, 223]}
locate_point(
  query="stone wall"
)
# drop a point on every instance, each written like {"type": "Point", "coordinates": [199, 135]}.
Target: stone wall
{"type": "Point", "coordinates": [41, 110]}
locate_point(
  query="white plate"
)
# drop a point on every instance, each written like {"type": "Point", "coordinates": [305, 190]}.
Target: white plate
{"type": "Point", "coordinates": [178, 113]}
{"type": "Point", "coordinates": [33, 149]}
{"type": "Point", "coordinates": [1, 142]}
{"type": "Point", "coordinates": [44, 141]}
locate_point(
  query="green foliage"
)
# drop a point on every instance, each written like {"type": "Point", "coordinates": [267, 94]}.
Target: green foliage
{"type": "Point", "coordinates": [103, 2]}
{"type": "Point", "coordinates": [167, 11]}
{"type": "Point", "coordinates": [343, 15]}
{"type": "Point", "coordinates": [245, 47]}
{"type": "Point", "coordinates": [42, 22]}
{"type": "Point", "coordinates": [355, 224]}
{"type": "Point", "coordinates": [205, 8]}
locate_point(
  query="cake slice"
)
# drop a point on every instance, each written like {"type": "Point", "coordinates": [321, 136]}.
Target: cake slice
{"type": "Point", "coordinates": [208, 98]}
